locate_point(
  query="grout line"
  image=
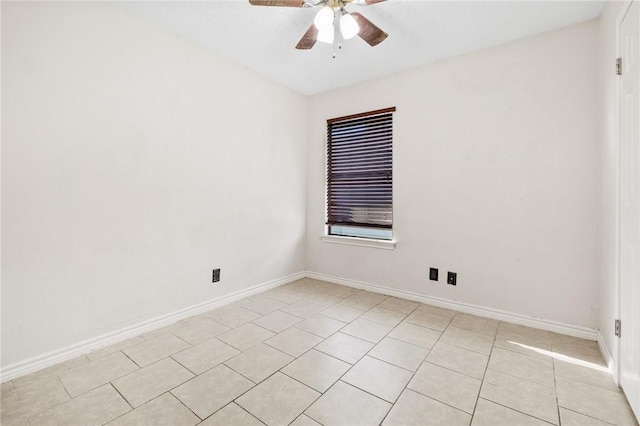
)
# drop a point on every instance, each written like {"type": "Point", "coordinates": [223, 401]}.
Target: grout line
{"type": "Point", "coordinates": [485, 372]}
{"type": "Point", "coordinates": [130, 359]}
{"type": "Point", "coordinates": [517, 411]}
{"type": "Point", "coordinates": [555, 391]}
{"type": "Point", "coordinates": [123, 397]}
{"type": "Point", "coordinates": [421, 362]}
{"type": "Point", "coordinates": [180, 401]}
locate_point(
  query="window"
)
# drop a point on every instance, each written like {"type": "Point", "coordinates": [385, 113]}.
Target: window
{"type": "Point", "coordinates": [359, 175]}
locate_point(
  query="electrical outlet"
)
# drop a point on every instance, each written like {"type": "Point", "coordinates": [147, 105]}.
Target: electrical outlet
{"type": "Point", "coordinates": [216, 275]}
{"type": "Point", "coordinates": [433, 274]}
{"type": "Point", "coordinates": [452, 277]}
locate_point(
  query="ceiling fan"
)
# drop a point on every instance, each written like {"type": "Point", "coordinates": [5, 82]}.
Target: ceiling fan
{"type": "Point", "coordinates": [333, 21]}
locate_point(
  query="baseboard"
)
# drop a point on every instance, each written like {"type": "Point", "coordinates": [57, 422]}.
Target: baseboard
{"type": "Point", "coordinates": [557, 327]}
{"type": "Point", "coordinates": [48, 359]}
{"type": "Point", "coordinates": [608, 357]}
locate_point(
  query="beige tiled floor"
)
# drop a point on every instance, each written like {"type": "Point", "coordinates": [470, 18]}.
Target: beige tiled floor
{"type": "Point", "coordinates": [311, 353]}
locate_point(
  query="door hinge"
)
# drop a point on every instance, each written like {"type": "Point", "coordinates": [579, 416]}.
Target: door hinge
{"type": "Point", "coordinates": [619, 66]}
{"type": "Point", "coordinates": [617, 327]}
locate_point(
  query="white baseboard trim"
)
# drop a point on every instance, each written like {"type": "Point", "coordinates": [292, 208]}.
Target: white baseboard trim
{"type": "Point", "coordinates": [48, 359]}
{"type": "Point", "coordinates": [557, 327]}
{"type": "Point", "coordinates": [608, 357]}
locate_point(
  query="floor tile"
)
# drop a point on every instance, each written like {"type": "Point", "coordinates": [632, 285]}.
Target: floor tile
{"type": "Point", "coordinates": [415, 334]}
{"type": "Point", "coordinates": [530, 398]}
{"type": "Point", "coordinates": [198, 330]}
{"type": "Point", "coordinates": [96, 373]}
{"type": "Point", "coordinates": [345, 347]}
{"type": "Point", "coordinates": [165, 410]}
{"type": "Point", "coordinates": [379, 378]}
{"type": "Point", "coordinates": [303, 420]}
{"type": "Point", "coordinates": [490, 414]}
{"type": "Point", "coordinates": [436, 310]}
{"type": "Point", "coordinates": [582, 349]}
{"type": "Point", "coordinates": [95, 407]}
{"type": "Point", "coordinates": [519, 365]}
{"type": "Point", "coordinates": [601, 404]}
{"type": "Point", "coordinates": [402, 306]}
{"type": "Point", "coordinates": [341, 291]}
{"type": "Point", "coordinates": [29, 400]}
{"type": "Point", "coordinates": [205, 355]}
{"type": "Point", "coordinates": [283, 295]}
{"type": "Point", "coordinates": [245, 336]}
{"type": "Point", "coordinates": [302, 309]}
{"type": "Point", "coordinates": [346, 405]}
{"type": "Point", "coordinates": [571, 418]}
{"type": "Point", "coordinates": [278, 400]}
{"type": "Point", "coordinates": [414, 409]}
{"type": "Point", "coordinates": [428, 320]}
{"type": "Point", "coordinates": [399, 353]}
{"type": "Point", "coordinates": [366, 330]}
{"type": "Point", "coordinates": [316, 370]}
{"type": "Point", "coordinates": [260, 304]}
{"type": "Point", "coordinates": [585, 372]}
{"type": "Point", "coordinates": [232, 415]}
{"type": "Point", "coordinates": [155, 349]}
{"type": "Point", "coordinates": [463, 361]}
{"type": "Point", "coordinates": [509, 330]}
{"type": "Point", "coordinates": [364, 300]}
{"type": "Point", "coordinates": [108, 350]}
{"type": "Point", "coordinates": [49, 371]}
{"type": "Point", "coordinates": [158, 332]}
{"type": "Point", "coordinates": [259, 362]}
{"type": "Point", "coordinates": [482, 325]}
{"type": "Point", "coordinates": [523, 346]}
{"type": "Point", "coordinates": [342, 312]}
{"type": "Point", "coordinates": [232, 316]}
{"type": "Point", "coordinates": [373, 346]}
{"type": "Point", "coordinates": [524, 340]}
{"type": "Point", "coordinates": [466, 339]}
{"type": "Point", "coordinates": [324, 300]}
{"type": "Point", "coordinates": [321, 325]}
{"type": "Point", "coordinates": [207, 393]}
{"type": "Point", "coordinates": [6, 387]}
{"type": "Point", "coordinates": [293, 341]}
{"type": "Point", "coordinates": [384, 316]}
{"type": "Point", "coordinates": [152, 381]}
{"type": "Point", "coordinates": [277, 321]}
{"type": "Point", "coordinates": [446, 386]}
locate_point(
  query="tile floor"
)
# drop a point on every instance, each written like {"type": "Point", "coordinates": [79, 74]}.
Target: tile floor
{"type": "Point", "coordinates": [311, 353]}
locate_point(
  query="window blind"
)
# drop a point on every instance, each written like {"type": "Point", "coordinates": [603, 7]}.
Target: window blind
{"type": "Point", "coordinates": [359, 170]}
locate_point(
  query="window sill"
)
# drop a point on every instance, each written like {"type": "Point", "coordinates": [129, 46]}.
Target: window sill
{"type": "Point", "coordinates": [361, 242]}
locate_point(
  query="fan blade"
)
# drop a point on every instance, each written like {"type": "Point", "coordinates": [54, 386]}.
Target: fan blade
{"type": "Point", "coordinates": [309, 38]}
{"type": "Point", "coordinates": [283, 3]}
{"type": "Point", "coordinates": [368, 31]}
{"type": "Point", "coordinates": [370, 2]}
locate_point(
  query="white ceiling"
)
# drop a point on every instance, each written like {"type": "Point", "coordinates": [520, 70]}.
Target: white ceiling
{"type": "Point", "coordinates": [420, 32]}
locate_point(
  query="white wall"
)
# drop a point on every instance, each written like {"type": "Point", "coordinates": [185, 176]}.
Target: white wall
{"type": "Point", "coordinates": [133, 163]}
{"type": "Point", "coordinates": [495, 177]}
{"type": "Point", "coordinates": [608, 102]}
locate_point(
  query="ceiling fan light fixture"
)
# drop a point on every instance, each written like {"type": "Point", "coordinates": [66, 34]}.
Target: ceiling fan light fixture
{"type": "Point", "coordinates": [324, 19]}
{"type": "Point", "coordinates": [326, 35]}
{"type": "Point", "coordinates": [348, 26]}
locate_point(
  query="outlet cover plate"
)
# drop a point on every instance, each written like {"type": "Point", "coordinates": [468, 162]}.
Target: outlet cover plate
{"type": "Point", "coordinates": [452, 278]}
{"type": "Point", "coordinates": [433, 274]}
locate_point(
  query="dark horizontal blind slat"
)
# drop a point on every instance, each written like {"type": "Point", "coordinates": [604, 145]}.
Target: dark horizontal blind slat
{"type": "Point", "coordinates": [360, 175]}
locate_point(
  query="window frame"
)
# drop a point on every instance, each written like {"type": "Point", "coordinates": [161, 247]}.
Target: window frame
{"type": "Point", "coordinates": [358, 240]}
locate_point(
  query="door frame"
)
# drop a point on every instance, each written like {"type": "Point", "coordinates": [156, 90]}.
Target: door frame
{"type": "Point", "coordinates": [615, 351]}
{"type": "Point", "coordinates": [616, 365]}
